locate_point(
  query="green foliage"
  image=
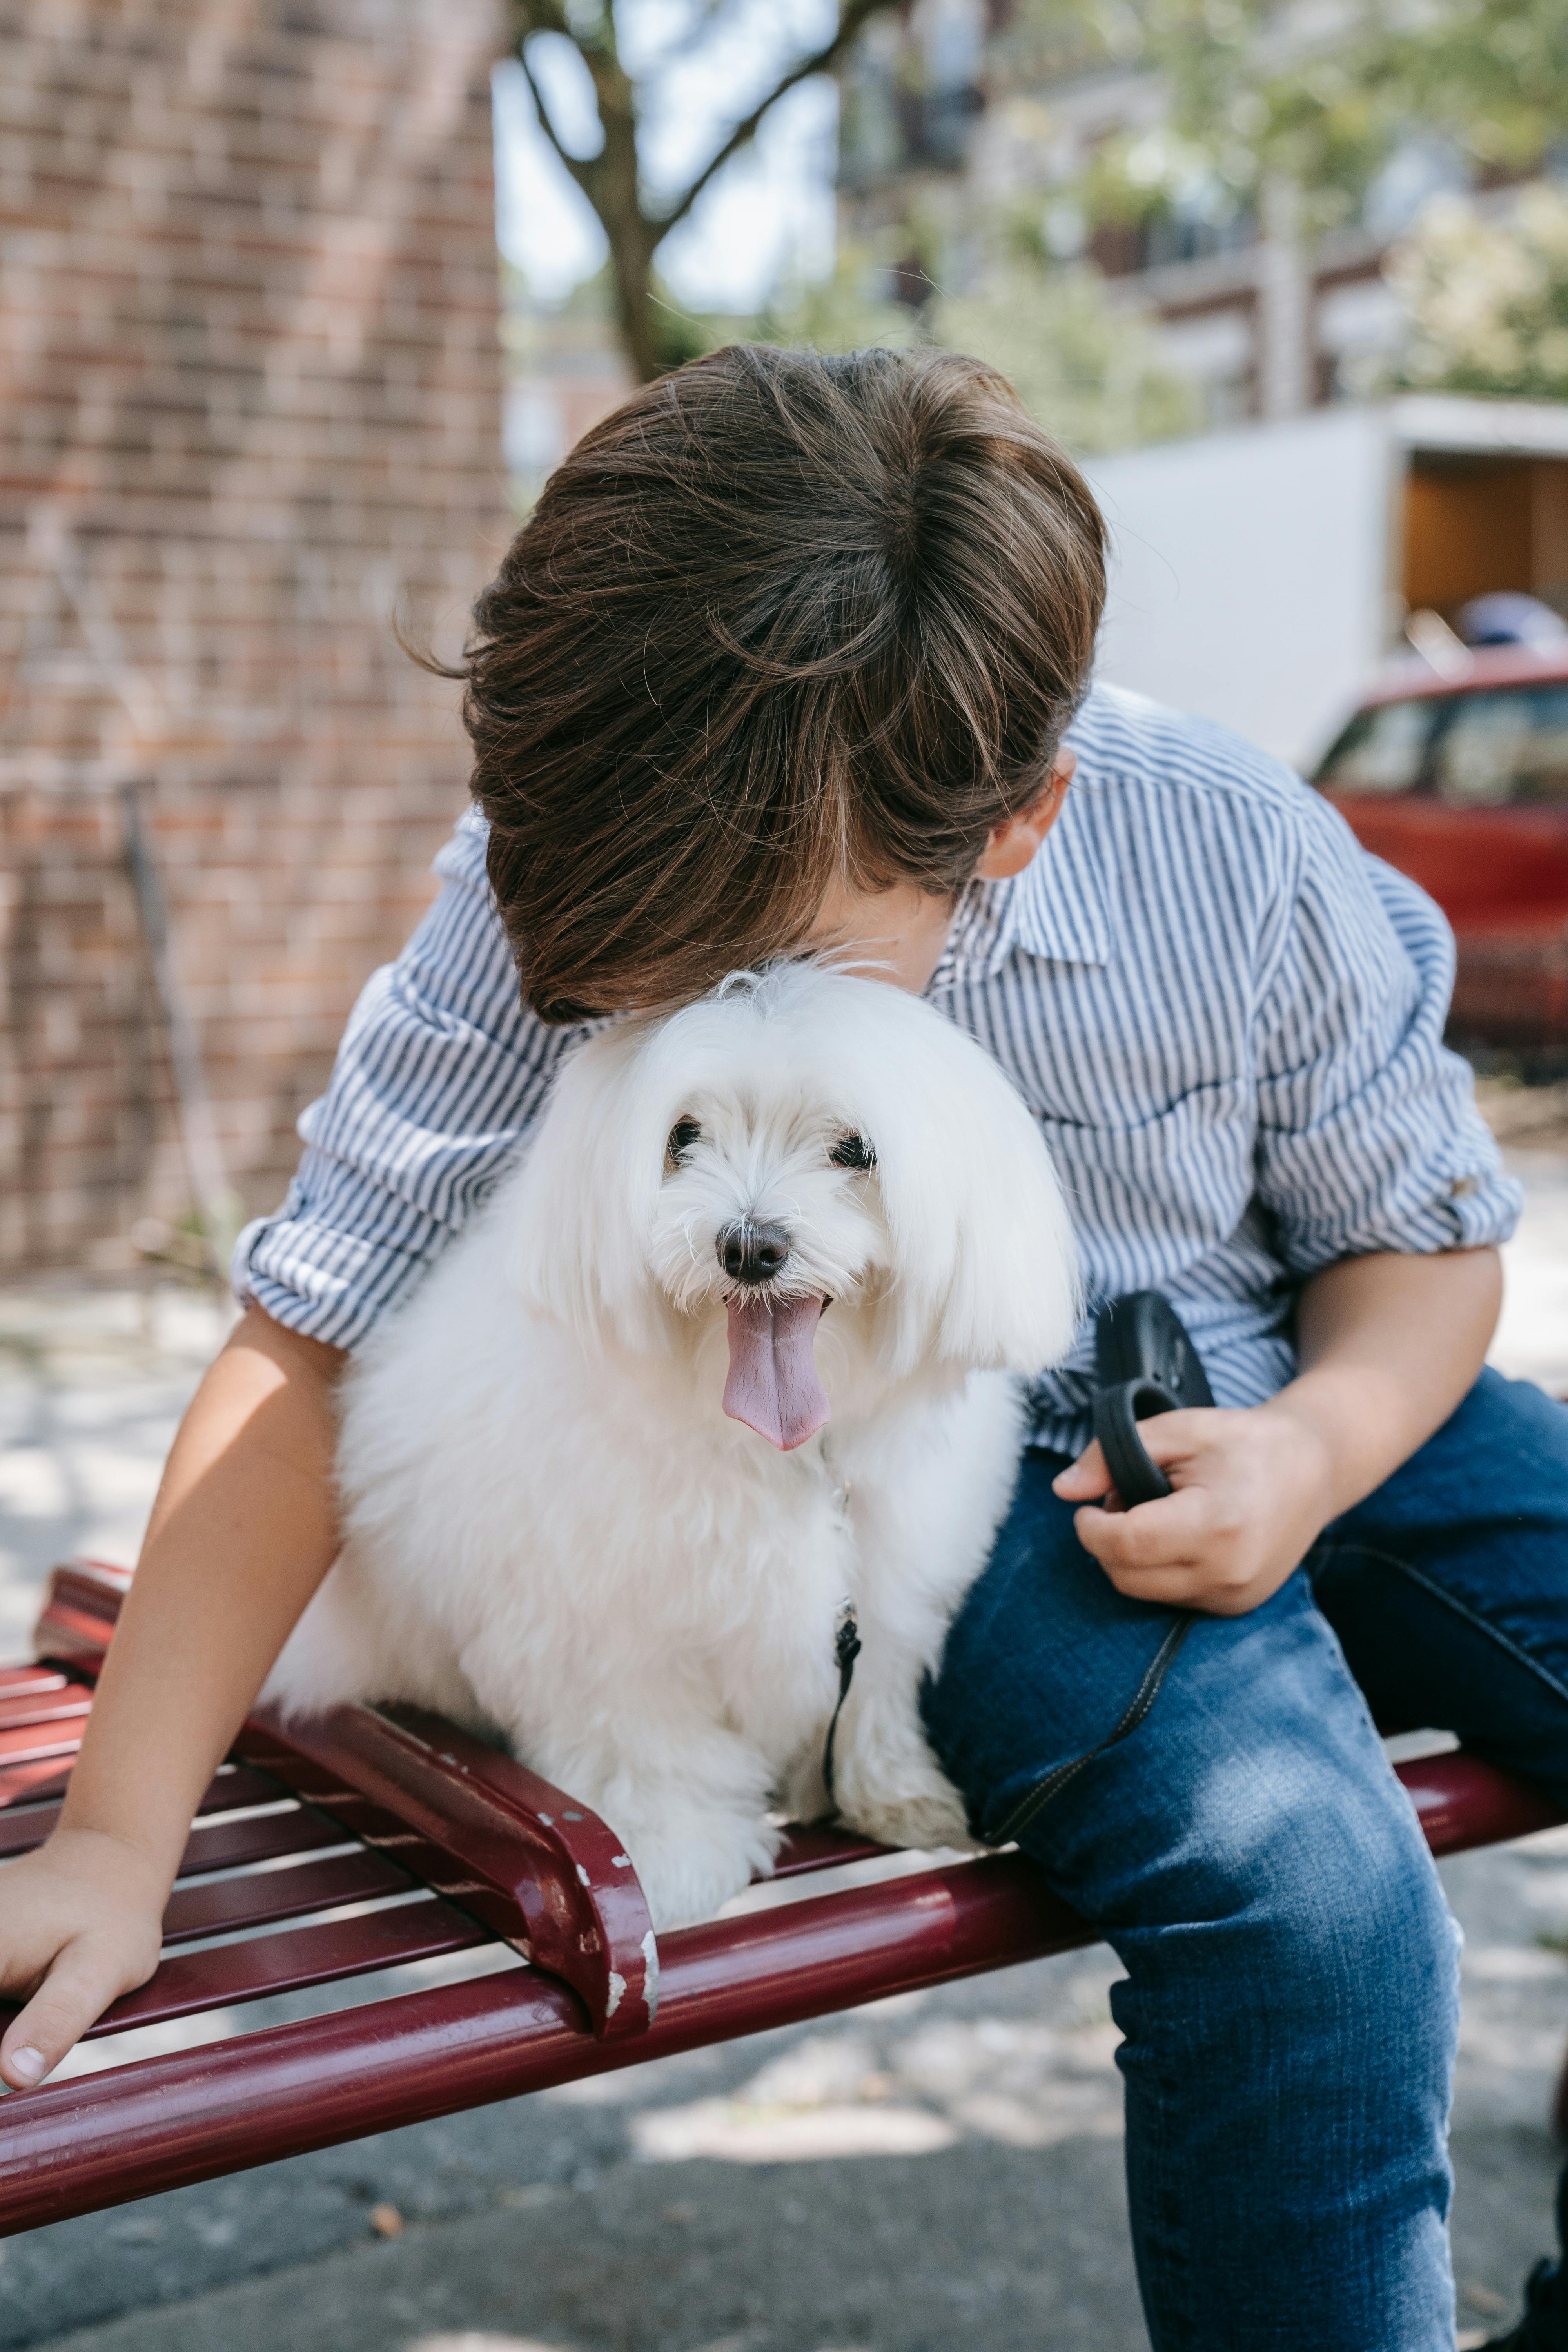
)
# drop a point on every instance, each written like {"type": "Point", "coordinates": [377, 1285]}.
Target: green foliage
{"type": "Point", "coordinates": [1322, 98]}
{"type": "Point", "coordinates": [677, 333]}
{"type": "Point", "coordinates": [845, 312]}
{"type": "Point", "coordinates": [1486, 300]}
{"type": "Point", "coordinates": [1089, 373]}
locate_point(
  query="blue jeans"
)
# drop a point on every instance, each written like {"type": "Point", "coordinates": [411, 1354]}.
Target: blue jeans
{"type": "Point", "coordinates": [1290, 2003]}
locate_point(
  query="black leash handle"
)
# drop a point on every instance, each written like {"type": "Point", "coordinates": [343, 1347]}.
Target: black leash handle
{"type": "Point", "coordinates": [1135, 1475]}
{"type": "Point", "coordinates": [1145, 1364]}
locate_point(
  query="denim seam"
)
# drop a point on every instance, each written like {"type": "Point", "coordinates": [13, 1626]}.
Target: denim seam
{"type": "Point", "coordinates": [1460, 1609]}
{"type": "Point", "coordinates": [1035, 1801]}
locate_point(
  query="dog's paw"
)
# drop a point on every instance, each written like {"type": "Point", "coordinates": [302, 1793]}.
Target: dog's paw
{"type": "Point", "coordinates": [688, 1875]}
{"type": "Point", "coordinates": [802, 1791]}
{"type": "Point", "coordinates": [894, 1791]}
{"type": "Point", "coordinates": [934, 1819]}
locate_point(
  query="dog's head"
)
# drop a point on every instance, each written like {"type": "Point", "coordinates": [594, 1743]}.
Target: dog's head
{"type": "Point", "coordinates": [802, 1149]}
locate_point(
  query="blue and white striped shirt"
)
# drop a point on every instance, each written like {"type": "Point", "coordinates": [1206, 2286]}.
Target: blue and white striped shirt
{"type": "Point", "coordinates": [1227, 1017]}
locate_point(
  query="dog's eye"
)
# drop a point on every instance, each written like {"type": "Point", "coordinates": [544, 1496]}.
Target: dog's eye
{"type": "Point", "coordinates": [682, 1136]}
{"type": "Point", "coordinates": [852, 1151]}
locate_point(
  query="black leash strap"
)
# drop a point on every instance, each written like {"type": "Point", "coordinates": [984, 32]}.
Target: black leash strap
{"type": "Point", "coordinates": [1144, 1364]}
{"type": "Point", "coordinates": [846, 1649]}
{"type": "Point", "coordinates": [1143, 1698]}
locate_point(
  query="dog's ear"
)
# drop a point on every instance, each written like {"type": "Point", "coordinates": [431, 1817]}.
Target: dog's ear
{"type": "Point", "coordinates": [581, 1208]}
{"type": "Point", "coordinates": [986, 1263]}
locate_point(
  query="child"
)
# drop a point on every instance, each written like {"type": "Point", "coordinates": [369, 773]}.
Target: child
{"type": "Point", "coordinates": [786, 657]}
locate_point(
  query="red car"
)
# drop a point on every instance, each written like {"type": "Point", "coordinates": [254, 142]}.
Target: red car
{"type": "Point", "coordinates": [1462, 783]}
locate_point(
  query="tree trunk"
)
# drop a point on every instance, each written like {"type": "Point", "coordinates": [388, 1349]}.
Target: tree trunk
{"type": "Point", "coordinates": [631, 263]}
{"type": "Point", "coordinates": [609, 180]}
{"type": "Point", "coordinates": [616, 198]}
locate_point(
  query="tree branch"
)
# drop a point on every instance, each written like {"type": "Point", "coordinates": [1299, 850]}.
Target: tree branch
{"type": "Point", "coordinates": [852, 16]}
{"type": "Point", "coordinates": [581, 171]}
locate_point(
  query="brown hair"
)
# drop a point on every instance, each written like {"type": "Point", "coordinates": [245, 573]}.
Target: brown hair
{"type": "Point", "coordinates": [779, 620]}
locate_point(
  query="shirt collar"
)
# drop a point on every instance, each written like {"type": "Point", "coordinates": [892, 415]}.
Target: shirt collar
{"type": "Point", "coordinates": [1054, 909]}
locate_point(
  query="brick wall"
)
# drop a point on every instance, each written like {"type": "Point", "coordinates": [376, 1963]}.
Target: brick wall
{"type": "Point", "coordinates": [249, 404]}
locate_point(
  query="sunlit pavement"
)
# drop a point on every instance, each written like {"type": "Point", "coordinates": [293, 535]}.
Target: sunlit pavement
{"type": "Point", "coordinates": [934, 2170]}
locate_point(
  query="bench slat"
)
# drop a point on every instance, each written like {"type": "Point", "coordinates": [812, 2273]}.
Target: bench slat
{"type": "Point", "coordinates": [1461, 1801]}
{"type": "Point", "coordinates": [101, 2140]}
{"type": "Point", "coordinates": [297, 1957]}
{"type": "Point", "coordinates": [224, 1844]}
{"type": "Point", "coordinates": [26, 1743]}
{"type": "Point", "coordinates": [16, 1681]}
{"type": "Point", "coordinates": [229, 1791]}
{"type": "Point", "coordinates": [20, 1709]}
{"type": "Point", "coordinates": [536, 1865]}
{"type": "Point", "coordinates": [25, 1784]}
{"type": "Point", "coordinates": [197, 1908]}
{"type": "Point", "coordinates": [219, 1845]}
{"type": "Point", "coordinates": [155, 2123]}
{"type": "Point", "coordinates": [822, 1847]}
{"type": "Point", "coordinates": [238, 1785]}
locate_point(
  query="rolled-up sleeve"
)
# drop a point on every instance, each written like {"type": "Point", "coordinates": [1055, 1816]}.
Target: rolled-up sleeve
{"type": "Point", "coordinates": [440, 1073]}
{"type": "Point", "coordinates": [1368, 1134]}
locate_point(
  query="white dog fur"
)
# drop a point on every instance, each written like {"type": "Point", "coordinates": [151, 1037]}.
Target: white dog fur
{"type": "Point", "coordinates": [555, 1525]}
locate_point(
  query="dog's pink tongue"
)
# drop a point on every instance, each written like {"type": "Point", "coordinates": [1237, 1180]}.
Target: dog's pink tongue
{"type": "Point", "coordinates": [773, 1385]}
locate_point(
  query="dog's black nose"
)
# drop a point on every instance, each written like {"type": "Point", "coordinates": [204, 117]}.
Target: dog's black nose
{"type": "Point", "coordinates": [749, 1252]}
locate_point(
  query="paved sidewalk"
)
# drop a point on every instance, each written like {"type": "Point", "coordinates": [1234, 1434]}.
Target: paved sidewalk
{"type": "Point", "coordinates": [93, 1380]}
{"type": "Point", "coordinates": [940, 2169]}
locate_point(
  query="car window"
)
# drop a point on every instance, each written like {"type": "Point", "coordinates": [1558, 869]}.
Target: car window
{"type": "Point", "coordinates": [1382, 750]}
{"type": "Point", "coordinates": [1510, 744]}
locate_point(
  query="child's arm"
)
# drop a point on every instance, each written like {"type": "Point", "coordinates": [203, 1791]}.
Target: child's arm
{"type": "Point", "coordinates": [241, 1534]}
{"type": "Point", "coordinates": [441, 1070]}
{"type": "Point", "coordinates": [1388, 1345]}
{"type": "Point", "coordinates": [1381, 1196]}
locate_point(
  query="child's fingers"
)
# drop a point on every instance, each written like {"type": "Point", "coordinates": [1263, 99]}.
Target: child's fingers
{"type": "Point", "coordinates": [84, 1978]}
{"type": "Point", "coordinates": [1084, 1479]}
{"type": "Point", "coordinates": [1167, 1438]}
{"type": "Point", "coordinates": [1170, 1588]}
{"type": "Point", "coordinates": [1163, 1535]}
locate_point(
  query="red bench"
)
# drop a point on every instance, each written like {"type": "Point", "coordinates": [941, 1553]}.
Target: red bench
{"type": "Point", "coordinates": [454, 1848]}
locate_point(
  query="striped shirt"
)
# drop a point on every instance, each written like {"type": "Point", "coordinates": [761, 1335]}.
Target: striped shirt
{"type": "Point", "coordinates": [1226, 1016]}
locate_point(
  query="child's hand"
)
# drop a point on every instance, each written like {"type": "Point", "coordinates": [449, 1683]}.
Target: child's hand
{"type": "Point", "coordinates": [1253, 1491]}
{"type": "Point", "coordinates": [80, 1923]}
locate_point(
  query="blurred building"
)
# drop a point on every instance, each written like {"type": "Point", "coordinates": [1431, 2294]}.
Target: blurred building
{"type": "Point", "coordinates": [250, 405]}
{"type": "Point", "coordinates": [566, 369]}
{"type": "Point", "coordinates": [950, 115]}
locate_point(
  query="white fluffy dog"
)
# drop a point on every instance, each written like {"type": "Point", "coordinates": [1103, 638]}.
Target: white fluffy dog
{"type": "Point", "coordinates": [730, 1347]}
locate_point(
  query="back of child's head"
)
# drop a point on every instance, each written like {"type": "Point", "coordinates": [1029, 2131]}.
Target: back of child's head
{"type": "Point", "coordinates": [780, 621]}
